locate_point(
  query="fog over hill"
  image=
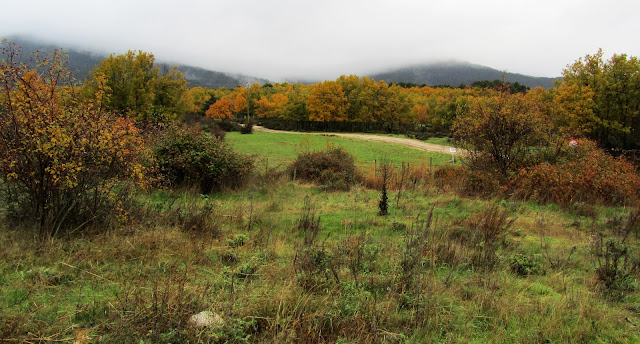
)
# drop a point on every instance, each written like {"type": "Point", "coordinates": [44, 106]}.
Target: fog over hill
{"type": "Point", "coordinates": [453, 73]}
{"type": "Point", "coordinates": [81, 62]}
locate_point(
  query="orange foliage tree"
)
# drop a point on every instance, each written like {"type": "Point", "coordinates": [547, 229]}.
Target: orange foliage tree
{"type": "Point", "coordinates": [220, 110]}
{"type": "Point", "coordinates": [239, 100]}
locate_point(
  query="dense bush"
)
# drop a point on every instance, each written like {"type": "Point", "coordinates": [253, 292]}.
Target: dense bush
{"type": "Point", "coordinates": [228, 126]}
{"type": "Point", "coordinates": [193, 157]}
{"type": "Point", "coordinates": [62, 161]}
{"type": "Point", "coordinates": [332, 168]}
{"type": "Point", "coordinates": [587, 174]}
{"type": "Point", "coordinates": [247, 128]}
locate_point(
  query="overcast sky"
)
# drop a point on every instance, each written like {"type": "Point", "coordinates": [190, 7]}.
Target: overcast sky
{"type": "Point", "coordinates": [326, 38]}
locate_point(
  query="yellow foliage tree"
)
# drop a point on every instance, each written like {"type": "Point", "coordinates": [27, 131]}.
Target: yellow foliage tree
{"type": "Point", "coordinates": [327, 103]}
{"type": "Point", "coordinates": [199, 96]}
{"type": "Point", "coordinates": [273, 108]}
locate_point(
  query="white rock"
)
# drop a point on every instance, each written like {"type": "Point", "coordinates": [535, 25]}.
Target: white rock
{"type": "Point", "coordinates": [206, 319]}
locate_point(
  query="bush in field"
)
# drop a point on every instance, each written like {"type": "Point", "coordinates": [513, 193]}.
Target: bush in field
{"type": "Point", "coordinates": [228, 126]}
{"type": "Point", "coordinates": [62, 161]}
{"type": "Point", "coordinates": [247, 128]}
{"type": "Point", "coordinates": [193, 157]}
{"type": "Point", "coordinates": [586, 174]}
{"type": "Point", "coordinates": [332, 168]}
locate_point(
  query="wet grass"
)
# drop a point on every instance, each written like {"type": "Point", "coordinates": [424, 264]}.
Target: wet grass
{"type": "Point", "coordinates": [144, 280]}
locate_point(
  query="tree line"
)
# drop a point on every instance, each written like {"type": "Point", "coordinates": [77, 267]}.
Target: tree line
{"type": "Point", "coordinates": [597, 98]}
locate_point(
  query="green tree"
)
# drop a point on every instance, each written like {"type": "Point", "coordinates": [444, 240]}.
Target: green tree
{"type": "Point", "coordinates": [135, 87]}
{"type": "Point", "coordinates": [609, 92]}
{"type": "Point", "coordinates": [296, 108]}
{"type": "Point", "coordinates": [171, 98]}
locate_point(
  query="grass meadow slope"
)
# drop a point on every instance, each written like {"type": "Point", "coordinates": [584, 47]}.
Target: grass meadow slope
{"type": "Point", "coordinates": [282, 148]}
{"type": "Point", "coordinates": [285, 261]}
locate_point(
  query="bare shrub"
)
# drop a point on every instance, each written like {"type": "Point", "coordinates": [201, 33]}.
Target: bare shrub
{"type": "Point", "coordinates": [312, 260]}
{"type": "Point", "coordinates": [488, 233]}
{"type": "Point", "coordinates": [617, 262]}
{"type": "Point", "coordinates": [414, 246]}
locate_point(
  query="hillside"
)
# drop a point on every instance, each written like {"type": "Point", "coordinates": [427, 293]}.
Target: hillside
{"type": "Point", "coordinates": [456, 73]}
{"type": "Point", "coordinates": [81, 62]}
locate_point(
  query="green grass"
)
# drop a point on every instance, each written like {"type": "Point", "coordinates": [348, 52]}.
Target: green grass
{"type": "Point", "coordinates": [113, 284]}
{"type": "Point", "coordinates": [358, 282]}
{"type": "Point", "coordinates": [282, 148]}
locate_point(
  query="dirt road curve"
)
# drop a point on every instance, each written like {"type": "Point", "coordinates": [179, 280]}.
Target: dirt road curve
{"type": "Point", "coordinates": [423, 146]}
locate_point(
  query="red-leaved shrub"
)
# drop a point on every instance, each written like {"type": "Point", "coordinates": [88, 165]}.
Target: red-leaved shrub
{"type": "Point", "coordinates": [588, 175]}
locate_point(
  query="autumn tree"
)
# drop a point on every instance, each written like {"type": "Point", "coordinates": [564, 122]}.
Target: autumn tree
{"type": "Point", "coordinates": [437, 108]}
{"type": "Point", "coordinates": [171, 98]}
{"type": "Point", "coordinates": [238, 101]}
{"type": "Point", "coordinates": [327, 103]}
{"type": "Point", "coordinates": [62, 160]}
{"type": "Point", "coordinates": [201, 98]}
{"type": "Point", "coordinates": [272, 107]}
{"type": "Point", "coordinates": [375, 101]}
{"type": "Point", "coordinates": [502, 133]}
{"type": "Point", "coordinates": [396, 105]}
{"type": "Point", "coordinates": [296, 107]}
{"type": "Point", "coordinates": [221, 110]}
{"type": "Point", "coordinates": [135, 87]}
{"type": "Point", "coordinates": [605, 97]}
{"type": "Point", "coordinates": [421, 113]}
{"type": "Point", "coordinates": [352, 88]}
{"type": "Point", "coordinates": [574, 110]}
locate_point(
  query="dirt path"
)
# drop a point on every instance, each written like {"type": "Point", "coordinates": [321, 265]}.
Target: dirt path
{"type": "Point", "coordinates": [423, 146]}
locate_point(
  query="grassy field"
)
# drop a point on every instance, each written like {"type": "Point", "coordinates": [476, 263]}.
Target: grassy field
{"type": "Point", "coordinates": [283, 261]}
{"type": "Point", "coordinates": [281, 149]}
